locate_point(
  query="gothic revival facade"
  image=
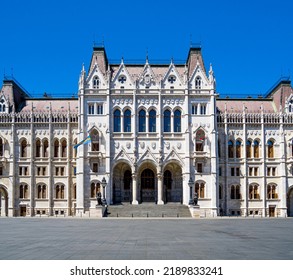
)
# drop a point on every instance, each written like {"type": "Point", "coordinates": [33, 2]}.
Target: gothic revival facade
{"type": "Point", "coordinates": [158, 133]}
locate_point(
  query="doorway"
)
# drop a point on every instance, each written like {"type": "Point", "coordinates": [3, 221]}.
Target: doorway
{"type": "Point", "coordinates": [148, 186]}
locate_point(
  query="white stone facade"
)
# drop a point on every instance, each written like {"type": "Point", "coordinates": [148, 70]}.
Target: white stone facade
{"type": "Point", "coordinates": [159, 133]}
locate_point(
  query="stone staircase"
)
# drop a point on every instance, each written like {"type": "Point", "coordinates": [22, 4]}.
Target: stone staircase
{"type": "Point", "coordinates": [148, 210]}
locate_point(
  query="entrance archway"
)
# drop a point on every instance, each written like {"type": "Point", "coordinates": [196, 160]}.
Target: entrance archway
{"type": "Point", "coordinates": [148, 189]}
{"type": "Point", "coordinates": [172, 183]}
{"type": "Point", "coordinates": [290, 202]}
{"type": "Point", "coordinates": [122, 183]}
{"type": "Point", "coordinates": [3, 202]}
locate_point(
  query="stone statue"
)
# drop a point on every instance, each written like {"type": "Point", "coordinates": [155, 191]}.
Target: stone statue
{"type": "Point", "coordinates": [195, 199]}
{"type": "Point", "coordinates": [99, 198]}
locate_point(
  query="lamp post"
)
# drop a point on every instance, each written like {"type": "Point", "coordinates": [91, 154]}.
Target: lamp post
{"type": "Point", "coordinates": [190, 184]}
{"type": "Point", "coordinates": [104, 184]}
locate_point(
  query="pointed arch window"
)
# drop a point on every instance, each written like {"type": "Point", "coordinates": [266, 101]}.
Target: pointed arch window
{"type": "Point", "coordinates": [270, 149]}
{"type": "Point", "coordinates": [59, 191]}
{"type": "Point", "coordinates": [272, 191]}
{"type": "Point", "coordinates": [38, 148]}
{"type": "Point", "coordinates": [1, 147]}
{"type": "Point", "coordinates": [235, 192]}
{"type": "Point", "coordinates": [253, 191]}
{"type": "Point", "coordinates": [64, 148]}
{"type": "Point", "coordinates": [95, 188]}
{"type": "Point", "coordinates": [41, 191]}
{"type": "Point", "coordinates": [95, 146]}
{"type": "Point", "coordinates": [117, 120]}
{"type": "Point", "coordinates": [248, 149]}
{"type": "Point", "coordinates": [141, 121]}
{"type": "Point", "coordinates": [200, 189]}
{"type": "Point", "coordinates": [198, 82]}
{"type": "Point", "coordinates": [167, 121]}
{"type": "Point", "coordinates": [177, 121]}
{"type": "Point", "coordinates": [23, 148]}
{"type": "Point", "coordinates": [152, 121]}
{"type": "Point", "coordinates": [256, 149]}
{"type": "Point", "coordinates": [200, 138]}
{"type": "Point", "coordinates": [56, 148]}
{"type": "Point", "coordinates": [238, 149]}
{"type": "Point", "coordinates": [230, 149]}
{"type": "Point", "coordinates": [23, 191]}
{"type": "Point", "coordinates": [96, 82]}
{"type": "Point", "coordinates": [127, 121]}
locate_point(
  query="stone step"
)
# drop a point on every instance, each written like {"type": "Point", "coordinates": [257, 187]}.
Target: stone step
{"type": "Point", "coordinates": [149, 210]}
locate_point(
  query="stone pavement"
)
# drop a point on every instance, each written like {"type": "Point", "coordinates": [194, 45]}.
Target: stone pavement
{"type": "Point", "coordinates": [109, 239]}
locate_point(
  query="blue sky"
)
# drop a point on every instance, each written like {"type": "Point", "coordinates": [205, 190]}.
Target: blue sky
{"type": "Point", "coordinates": [44, 43]}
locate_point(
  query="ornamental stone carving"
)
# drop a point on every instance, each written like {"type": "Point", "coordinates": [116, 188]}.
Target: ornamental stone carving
{"type": "Point", "coordinates": [142, 144]}
{"type": "Point", "coordinates": [153, 145]}
{"type": "Point", "coordinates": [128, 145]}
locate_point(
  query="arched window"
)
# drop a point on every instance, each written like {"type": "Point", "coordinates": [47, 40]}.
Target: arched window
{"type": "Point", "coordinates": [95, 188]}
{"type": "Point", "coordinates": [199, 139]}
{"type": "Point", "coordinates": [127, 121]}
{"type": "Point", "coordinates": [141, 120]}
{"type": "Point", "coordinates": [199, 188]}
{"type": "Point", "coordinates": [235, 192]}
{"type": "Point", "coordinates": [248, 149]}
{"type": "Point", "coordinates": [23, 191]}
{"type": "Point", "coordinates": [167, 121]}
{"type": "Point", "coordinates": [56, 148]}
{"type": "Point", "coordinates": [23, 148]}
{"type": "Point", "coordinates": [198, 83]}
{"type": "Point", "coordinates": [59, 191]}
{"type": "Point", "coordinates": [1, 148]}
{"type": "Point", "coordinates": [45, 148]}
{"type": "Point", "coordinates": [253, 191]}
{"type": "Point", "coordinates": [42, 191]}
{"type": "Point", "coordinates": [256, 149]}
{"type": "Point", "coordinates": [177, 121]}
{"type": "Point", "coordinates": [152, 121]}
{"type": "Point", "coordinates": [95, 146]}
{"type": "Point", "coordinates": [270, 149]}
{"type": "Point", "coordinates": [38, 148]}
{"type": "Point", "coordinates": [238, 149]}
{"type": "Point", "coordinates": [64, 148]}
{"type": "Point", "coordinates": [127, 179]}
{"type": "Point", "coordinates": [230, 149]}
{"type": "Point", "coordinates": [73, 193]}
{"type": "Point", "coordinates": [117, 121]}
{"type": "Point", "coordinates": [96, 82]}
{"type": "Point", "coordinates": [0, 108]}
{"type": "Point", "coordinates": [272, 191]}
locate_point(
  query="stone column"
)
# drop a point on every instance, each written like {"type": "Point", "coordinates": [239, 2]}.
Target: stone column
{"type": "Point", "coordinates": [134, 189]}
{"type": "Point", "coordinates": [160, 189]}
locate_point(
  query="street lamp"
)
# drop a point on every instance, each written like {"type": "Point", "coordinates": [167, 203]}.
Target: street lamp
{"type": "Point", "coordinates": [190, 184]}
{"type": "Point", "coordinates": [104, 184]}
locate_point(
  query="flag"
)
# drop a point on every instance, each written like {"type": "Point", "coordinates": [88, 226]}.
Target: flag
{"type": "Point", "coordinates": [82, 142]}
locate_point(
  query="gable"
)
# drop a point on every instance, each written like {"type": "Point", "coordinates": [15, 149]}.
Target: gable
{"type": "Point", "coordinates": [95, 79]}
{"type": "Point", "coordinates": [122, 78]}
{"type": "Point", "coordinates": [172, 78]}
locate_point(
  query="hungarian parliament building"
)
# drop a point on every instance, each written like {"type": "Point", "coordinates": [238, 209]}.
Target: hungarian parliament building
{"type": "Point", "coordinates": [146, 133]}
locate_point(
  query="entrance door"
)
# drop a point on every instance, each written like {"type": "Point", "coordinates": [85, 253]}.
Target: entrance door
{"type": "Point", "coordinates": [148, 186]}
{"type": "Point", "coordinates": [22, 211]}
{"type": "Point", "coordinates": [272, 211]}
{"type": "Point", "coordinates": [290, 203]}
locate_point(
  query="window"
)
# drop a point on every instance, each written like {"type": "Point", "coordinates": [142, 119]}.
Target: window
{"type": "Point", "coordinates": [255, 171]}
{"type": "Point", "coordinates": [23, 191]}
{"type": "Point", "coordinates": [152, 121]}
{"type": "Point", "coordinates": [235, 192]}
{"type": "Point", "coordinates": [177, 121]}
{"type": "Point", "coordinates": [23, 171]}
{"type": "Point", "coordinates": [64, 148]}
{"type": "Point", "coordinates": [91, 109]}
{"type": "Point", "coordinates": [253, 191]}
{"type": "Point", "coordinates": [45, 148]}
{"type": "Point", "coordinates": [95, 167]}
{"type": "Point", "coordinates": [100, 109]}
{"type": "Point", "coordinates": [256, 149]}
{"type": "Point", "coordinates": [230, 149]}
{"type": "Point", "coordinates": [1, 148]}
{"type": "Point", "coordinates": [200, 189]}
{"type": "Point", "coordinates": [96, 82]}
{"type": "Point", "coordinates": [117, 121]}
{"type": "Point", "coordinates": [127, 121]}
{"type": "Point", "coordinates": [23, 148]}
{"type": "Point", "coordinates": [167, 121]}
{"type": "Point", "coordinates": [271, 171]}
{"type": "Point", "coordinates": [198, 83]}
{"type": "Point", "coordinates": [1, 170]}
{"type": "Point", "coordinates": [220, 192]}
{"type": "Point", "coordinates": [199, 140]}
{"type": "Point", "coordinates": [56, 148]}
{"type": "Point", "coordinates": [250, 171]}
{"type": "Point", "coordinates": [272, 191]}
{"type": "Point", "coordinates": [38, 148]}
{"type": "Point", "coordinates": [41, 170]}
{"type": "Point", "coordinates": [237, 169]}
{"type": "Point", "coordinates": [95, 146]}
{"type": "Point", "coordinates": [199, 168]}
{"type": "Point", "coordinates": [41, 191]}
{"type": "Point", "coordinates": [248, 149]}
{"type": "Point", "coordinates": [73, 193]}
{"type": "Point", "coordinates": [232, 171]}
{"type": "Point", "coordinates": [270, 149]}
{"type": "Point", "coordinates": [59, 191]}
{"type": "Point", "coordinates": [220, 171]}
{"type": "Point", "coordinates": [95, 188]}
{"type": "Point", "coordinates": [203, 109]}
{"type": "Point", "coordinates": [238, 149]}
{"type": "Point", "coordinates": [122, 79]}
{"type": "Point", "coordinates": [171, 79]}
{"type": "Point", "coordinates": [194, 109]}
{"type": "Point", "coordinates": [141, 120]}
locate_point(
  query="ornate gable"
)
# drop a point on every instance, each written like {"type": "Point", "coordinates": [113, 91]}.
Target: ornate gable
{"type": "Point", "coordinates": [172, 79]}
{"type": "Point", "coordinates": [122, 79]}
{"type": "Point", "coordinates": [123, 155]}
{"type": "Point", "coordinates": [173, 155]}
{"type": "Point", "coordinates": [198, 79]}
{"type": "Point", "coordinates": [148, 155]}
{"type": "Point", "coordinates": [147, 77]}
{"type": "Point", "coordinates": [289, 104]}
{"type": "Point", "coordinates": [4, 105]}
{"type": "Point", "coordinates": [96, 79]}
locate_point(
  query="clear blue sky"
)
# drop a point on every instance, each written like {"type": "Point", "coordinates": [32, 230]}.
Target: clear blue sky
{"type": "Point", "coordinates": [249, 43]}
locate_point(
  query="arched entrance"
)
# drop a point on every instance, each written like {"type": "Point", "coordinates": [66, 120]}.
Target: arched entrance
{"type": "Point", "coordinates": [148, 189]}
{"type": "Point", "coordinates": [3, 202]}
{"type": "Point", "coordinates": [172, 183]}
{"type": "Point", "coordinates": [290, 202]}
{"type": "Point", "coordinates": [122, 183]}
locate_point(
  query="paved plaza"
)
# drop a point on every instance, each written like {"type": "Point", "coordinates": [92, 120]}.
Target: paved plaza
{"type": "Point", "coordinates": [109, 239]}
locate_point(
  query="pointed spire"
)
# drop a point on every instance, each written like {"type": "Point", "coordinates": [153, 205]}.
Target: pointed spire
{"type": "Point", "coordinates": [122, 60]}
{"type": "Point", "coordinates": [147, 57]}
